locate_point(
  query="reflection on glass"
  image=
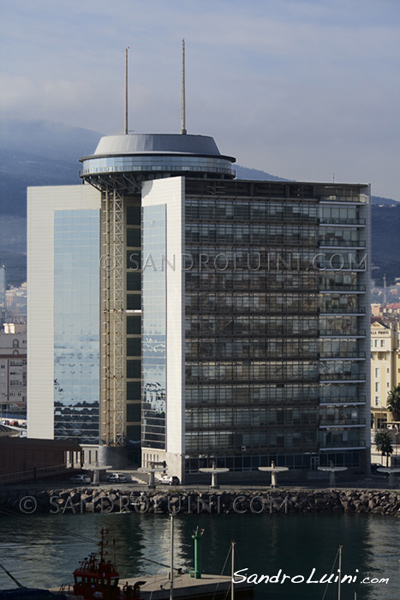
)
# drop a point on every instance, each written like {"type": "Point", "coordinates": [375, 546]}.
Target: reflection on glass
{"type": "Point", "coordinates": [76, 325]}
{"type": "Point", "coordinates": [154, 331]}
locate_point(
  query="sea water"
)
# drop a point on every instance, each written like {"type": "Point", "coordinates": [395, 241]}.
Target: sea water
{"type": "Point", "coordinates": [287, 556]}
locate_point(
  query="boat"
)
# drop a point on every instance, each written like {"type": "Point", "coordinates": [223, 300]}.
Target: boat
{"type": "Point", "coordinates": [98, 579]}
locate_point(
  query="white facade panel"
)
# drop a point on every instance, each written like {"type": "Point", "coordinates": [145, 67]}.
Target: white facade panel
{"type": "Point", "coordinates": [42, 203]}
{"type": "Point", "coordinates": [170, 192]}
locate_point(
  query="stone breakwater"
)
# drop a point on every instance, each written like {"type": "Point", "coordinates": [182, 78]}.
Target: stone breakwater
{"type": "Point", "coordinates": [103, 501]}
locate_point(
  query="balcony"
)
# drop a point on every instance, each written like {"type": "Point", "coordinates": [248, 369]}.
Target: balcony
{"type": "Point", "coordinates": [342, 310]}
{"type": "Point", "coordinates": [339, 377]}
{"type": "Point", "coordinates": [342, 355]}
{"type": "Point", "coordinates": [337, 287]}
{"type": "Point", "coordinates": [326, 422]}
{"type": "Point", "coordinates": [353, 332]}
{"type": "Point", "coordinates": [336, 444]}
{"type": "Point", "coordinates": [339, 400]}
{"type": "Point", "coordinates": [338, 221]}
{"type": "Point", "coordinates": [336, 243]}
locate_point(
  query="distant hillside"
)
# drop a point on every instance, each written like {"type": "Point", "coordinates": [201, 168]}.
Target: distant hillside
{"type": "Point", "coordinates": [42, 153]}
{"type": "Point", "coordinates": [385, 240]}
{"type": "Point", "coordinates": [245, 173]}
{"type": "Point", "coordinates": [379, 201]}
{"type": "Point", "coordinates": [39, 153]}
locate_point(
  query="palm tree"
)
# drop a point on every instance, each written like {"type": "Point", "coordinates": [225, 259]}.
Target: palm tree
{"type": "Point", "coordinates": [383, 444]}
{"type": "Point", "coordinates": [393, 403]}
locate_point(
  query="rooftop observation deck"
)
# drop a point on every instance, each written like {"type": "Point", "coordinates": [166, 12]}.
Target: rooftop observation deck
{"type": "Point", "coordinates": [156, 155]}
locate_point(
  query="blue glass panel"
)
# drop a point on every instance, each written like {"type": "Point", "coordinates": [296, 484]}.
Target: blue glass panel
{"type": "Point", "coordinates": [154, 329]}
{"type": "Point", "coordinates": [76, 325]}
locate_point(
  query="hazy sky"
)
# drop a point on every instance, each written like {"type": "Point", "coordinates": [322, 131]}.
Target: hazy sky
{"type": "Point", "coordinates": [298, 88]}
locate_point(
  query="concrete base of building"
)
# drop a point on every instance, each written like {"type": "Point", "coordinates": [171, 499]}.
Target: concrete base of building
{"type": "Point", "coordinates": [116, 457]}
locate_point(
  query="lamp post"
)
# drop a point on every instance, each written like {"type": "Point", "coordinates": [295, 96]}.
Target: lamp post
{"type": "Point", "coordinates": [274, 472]}
{"type": "Point", "coordinates": [214, 474]}
{"type": "Point", "coordinates": [197, 535]}
{"type": "Point", "coordinates": [152, 470]}
{"type": "Point", "coordinates": [332, 470]}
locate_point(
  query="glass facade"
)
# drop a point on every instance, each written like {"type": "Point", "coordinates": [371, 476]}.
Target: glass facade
{"type": "Point", "coordinates": [274, 324]}
{"type": "Point", "coordinates": [154, 328]}
{"type": "Point", "coordinates": [76, 325]}
{"type": "Point", "coordinates": [154, 164]}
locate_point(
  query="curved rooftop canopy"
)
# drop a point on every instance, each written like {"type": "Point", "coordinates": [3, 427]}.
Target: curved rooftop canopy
{"type": "Point", "coordinates": [156, 143]}
{"type": "Point", "coordinates": [146, 156]}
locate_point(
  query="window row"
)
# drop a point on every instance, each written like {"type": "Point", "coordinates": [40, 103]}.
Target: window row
{"type": "Point", "coordinates": [209, 349]}
{"type": "Point", "coordinates": [347, 415]}
{"type": "Point", "coordinates": [252, 371]}
{"type": "Point", "coordinates": [252, 393]}
{"type": "Point", "coordinates": [242, 261]}
{"type": "Point", "coordinates": [289, 393]}
{"type": "Point", "coordinates": [216, 325]}
{"type": "Point", "coordinates": [249, 210]}
{"type": "Point", "coordinates": [250, 303]}
{"type": "Point", "coordinates": [206, 442]}
{"type": "Point", "coordinates": [273, 349]}
{"type": "Point", "coordinates": [343, 325]}
{"type": "Point", "coordinates": [341, 438]}
{"type": "Point", "coordinates": [238, 417]}
{"type": "Point", "coordinates": [254, 234]}
{"type": "Point", "coordinates": [335, 236]}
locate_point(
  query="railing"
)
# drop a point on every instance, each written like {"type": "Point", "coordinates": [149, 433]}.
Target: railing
{"type": "Point", "coordinates": [341, 243]}
{"type": "Point", "coordinates": [343, 354]}
{"type": "Point", "coordinates": [348, 310]}
{"type": "Point", "coordinates": [341, 334]}
{"type": "Point", "coordinates": [338, 221]}
{"type": "Point", "coordinates": [339, 400]}
{"type": "Point", "coordinates": [342, 377]}
{"type": "Point", "coordinates": [335, 287]}
{"type": "Point", "coordinates": [324, 422]}
{"type": "Point", "coordinates": [341, 444]}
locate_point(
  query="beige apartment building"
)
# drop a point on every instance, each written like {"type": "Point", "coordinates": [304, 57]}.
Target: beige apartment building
{"type": "Point", "coordinates": [12, 368]}
{"type": "Point", "coordinates": [385, 368]}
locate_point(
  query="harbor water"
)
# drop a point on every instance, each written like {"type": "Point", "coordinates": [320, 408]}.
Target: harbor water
{"type": "Point", "coordinates": [294, 551]}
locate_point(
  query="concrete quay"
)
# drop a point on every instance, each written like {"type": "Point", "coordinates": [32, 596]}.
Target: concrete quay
{"type": "Point", "coordinates": [157, 587]}
{"type": "Point", "coordinates": [180, 501]}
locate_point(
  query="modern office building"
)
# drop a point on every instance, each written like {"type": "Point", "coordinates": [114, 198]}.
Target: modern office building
{"type": "Point", "coordinates": [233, 321]}
{"type": "Point", "coordinates": [255, 324]}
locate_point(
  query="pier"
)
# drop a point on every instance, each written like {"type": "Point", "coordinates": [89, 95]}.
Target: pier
{"type": "Point", "coordinates": [157, 587]}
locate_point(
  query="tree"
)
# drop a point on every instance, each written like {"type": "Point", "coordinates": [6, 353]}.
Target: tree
{"type": "Point", "coordinates": [393, 403]}
{"type": "Point", "coordinates": [383, 443]}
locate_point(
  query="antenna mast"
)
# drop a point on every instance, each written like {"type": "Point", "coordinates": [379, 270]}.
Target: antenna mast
{"type": "Point", "coordinates": [183, 127]}
{"type": "Point", "coordinates": [126, 91]}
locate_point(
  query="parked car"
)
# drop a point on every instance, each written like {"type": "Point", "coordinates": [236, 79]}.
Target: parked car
{"type": "Point", "coordinates": [116, 478]}
{"type": "Point", "coordinates": [168, 480]}
{"type": "Point", "coordinates": [375, 467]}
{"type": "Point", "coordinates": [81, 479]}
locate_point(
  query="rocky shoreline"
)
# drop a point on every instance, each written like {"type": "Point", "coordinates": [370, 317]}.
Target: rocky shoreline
{"type": "Point", "coordinates": [279, 501]}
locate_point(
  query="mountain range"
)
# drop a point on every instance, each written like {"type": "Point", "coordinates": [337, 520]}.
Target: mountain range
{"type": "Point", "coordinates": [37, 153]}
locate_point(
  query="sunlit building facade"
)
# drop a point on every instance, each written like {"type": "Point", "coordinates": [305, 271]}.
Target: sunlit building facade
{"type": "Point", "coordinates": [63, 313]}
{"type": "Point", "coordinates": [385, 369]}
{"type": "Point", "coordinates": [230, 321]}
{"type": "Point", "coordinates": [256, 337]}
